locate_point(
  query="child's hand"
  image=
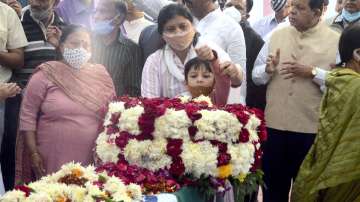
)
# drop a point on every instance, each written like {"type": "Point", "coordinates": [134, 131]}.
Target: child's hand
{"type": "Point", "coordinates": [233, 72]}
{"type": "Point", "coordinates": [205, 53]}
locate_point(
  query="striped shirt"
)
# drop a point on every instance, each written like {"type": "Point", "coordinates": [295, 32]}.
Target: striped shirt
{"type": "Point", "coordinates": [123, 60]}
{"type": "Point", "coordinates": [38, 50]}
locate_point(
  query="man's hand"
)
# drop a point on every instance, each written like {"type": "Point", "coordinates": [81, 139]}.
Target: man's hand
{"type": "Point", "coordinates": [53, 35]}
{"type": "Point", "coordinates": [9, 90]}
{"type": "Point", "coordinates": [272, 62]}
{"type": "Point", "coordinates": [294, 69]}
{"type": "Point", "coordinates": [205, 53]}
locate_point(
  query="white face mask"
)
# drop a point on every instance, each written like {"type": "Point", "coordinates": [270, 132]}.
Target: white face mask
{"type": "Point", "coordinates": [77, 57]}
{"type": "Point", "coordinates": [233, 13]}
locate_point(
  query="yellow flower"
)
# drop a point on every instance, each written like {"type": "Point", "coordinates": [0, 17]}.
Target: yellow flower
{"type": "Point", "coordinates": [77, 172]}
{"type": "Point", "coordinates": [241, 177]}
{"type": "Point", "coordinates": [225, 171]}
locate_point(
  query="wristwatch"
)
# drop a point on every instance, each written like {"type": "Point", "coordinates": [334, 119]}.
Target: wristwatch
{"type": "Point", "coordinates": [314, 71]}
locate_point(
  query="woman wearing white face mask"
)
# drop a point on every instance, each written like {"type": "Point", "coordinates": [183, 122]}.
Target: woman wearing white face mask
{"type": "Point", "coordinates": [163, 73]}
{"type": "Point", "coordinates": [58, 117]}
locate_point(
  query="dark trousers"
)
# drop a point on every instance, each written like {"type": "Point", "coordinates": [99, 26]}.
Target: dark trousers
{"type": "Point", "coordinates": [284, 152]}
{"type": "Point", "coordinates": [8, 146]}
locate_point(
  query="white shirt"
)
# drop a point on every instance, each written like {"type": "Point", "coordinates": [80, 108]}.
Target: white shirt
{"type": "Point", "coordinates": [12, 36]}
{"type": "Point", "coordinates": [265, 25]}
{"type": "Point", "coordinates": [227, 33]}
{"type": "Point", "coordinates": [134, 28]}
{"type": "Point", "coordinates": [260, 77]}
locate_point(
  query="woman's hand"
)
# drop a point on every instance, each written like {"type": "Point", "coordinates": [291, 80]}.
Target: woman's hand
{"type": "Point", "coordinates": [205, 53]}
{"type": "Point", "coordinates": [9, 90]}
{"type": "Point", "coordinates": [37, 165]}
{"type": "Point", "coordinates": [233, 72]}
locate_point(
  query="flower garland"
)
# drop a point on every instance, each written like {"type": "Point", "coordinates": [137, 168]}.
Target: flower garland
{"type": "Point", "coordinates": [187, 139]}
{"type": "Point", "coordinates": [74, 183]}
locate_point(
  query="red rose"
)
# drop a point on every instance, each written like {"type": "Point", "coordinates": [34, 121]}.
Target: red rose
{"type": "Point", "coordinates": [192, 131]}
{"type": "Point", "coordinates": [223, 159]}
{"type": "Point", "coordinates": [262, 133]}
{"type": "Point", "coordinates": [115, 118]}
{"type": "Point", "coordinates": [25, 189]}
{"type": "Point", "coordinates": [177, 167]}
{"type": "Point", "coordinates": [174, 147]}
{"type": "Point", "coordinates": [122, 140]}
{"type": "Point", "coordinates": [222, 146]}
{"type": "Point", "coordinates": [244, 135]}
{"type": "Point", "coordinates": [112, 130]}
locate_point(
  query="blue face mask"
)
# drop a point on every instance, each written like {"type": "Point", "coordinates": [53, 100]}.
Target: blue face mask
{"type": "Point", "coordinates": [103, 27]}
{"type": "Point", "coordinates": [350, 17]}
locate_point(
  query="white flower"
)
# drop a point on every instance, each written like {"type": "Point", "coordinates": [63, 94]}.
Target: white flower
{"type": "Point", "coordinates": [200, 158]}
{"type": "Point", "coordinates": [113, 185]}
{"type": "Point", "coordinates": [173, 124]}
{"type": "Point", "coordinates": [13, 196]}
{"type": "Point", "coordinates": [129, 120]}
{"type": "Point", "coordinates": [39, 197]}
{"type": "Point", "coordinates": [242, 157]}
{"type": "Point", "coordinates": [116, 107]}
{"type": "Point", "coordinates": [134, 191]}
{"type": "Point", "coordinates": [218, 125]}
{"type": "Point", "coordinates": [93, 190]}
{"type": "Point", "coordinates": [148, 154]}
{"type": "Point", "coordinates": [184, 99]}
{"type": "Point", "coordinates": [203, 99]}
{"type": "Point", "coordinates": [252, 126]}
{"type": "Point", "coordinates": [107, 150]}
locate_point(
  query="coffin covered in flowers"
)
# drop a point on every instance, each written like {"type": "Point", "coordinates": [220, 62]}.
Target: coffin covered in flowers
{"type": "Point", "coordinates": [163, 144]}
{"type": "Point", "coordinates": [74, 183]}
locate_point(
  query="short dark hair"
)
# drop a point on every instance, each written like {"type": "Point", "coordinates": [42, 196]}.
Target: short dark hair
{"type": "Point", "coordinates": [317, 4]}
{"type": "Point", "coordinates": [69, 29]}
{"type": "Point", "coordinates": [349, 41]}
{"type": "Point", "coordinates": [196, 63]}
{"type": "Point", "coordinates": [171, 11]}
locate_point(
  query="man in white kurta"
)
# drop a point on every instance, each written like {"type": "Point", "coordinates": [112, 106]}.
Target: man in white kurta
{"type": "Point", "coordinates": [12, 41]}
{"type": "Point", "coordinates": [221, 29]}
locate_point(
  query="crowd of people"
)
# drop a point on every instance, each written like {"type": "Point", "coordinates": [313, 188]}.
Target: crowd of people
{"type": "Point", "coordinates": [61, 61]}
